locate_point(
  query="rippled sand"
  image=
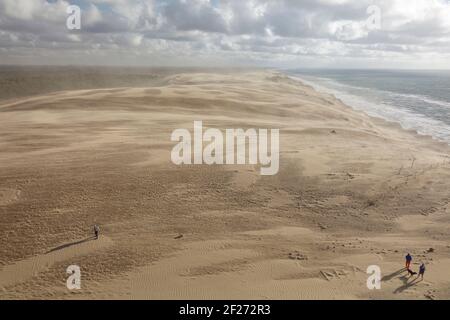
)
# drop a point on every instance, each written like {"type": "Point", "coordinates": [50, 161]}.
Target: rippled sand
{"type": "Point", "coordinates": [352, 191]}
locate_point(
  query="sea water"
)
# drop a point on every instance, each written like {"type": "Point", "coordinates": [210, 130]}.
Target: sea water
{"type": "Point", "coordinates": [418, 100]}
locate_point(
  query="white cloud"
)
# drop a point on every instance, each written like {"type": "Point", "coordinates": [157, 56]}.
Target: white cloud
{"type": "Point", "coordinates": [92, 16]}
{"type": "Point", "coordinates": [20, 9]}
{"type": "Point", "coordinates": [267, 32]}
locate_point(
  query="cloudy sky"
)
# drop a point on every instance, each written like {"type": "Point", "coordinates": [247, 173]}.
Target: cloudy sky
{"type": "Point", "coordinates": [275, 33]}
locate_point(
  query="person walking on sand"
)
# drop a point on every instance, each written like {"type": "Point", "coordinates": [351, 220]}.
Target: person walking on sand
{"type": "Point", "coordinates": [96, 231]}
{"type": "Point", "coordinates": [422, 270]}
{"type": "Point", "coordinates": [408, 259]}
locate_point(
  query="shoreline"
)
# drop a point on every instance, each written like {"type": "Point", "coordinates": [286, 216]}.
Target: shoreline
{"type": "Point", "coordinates": [328, 91]}
{"type": "Point", "coordinates": [380, 119]}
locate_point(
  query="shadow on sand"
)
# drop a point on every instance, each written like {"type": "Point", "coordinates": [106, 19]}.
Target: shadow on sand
{"type": "Point", "coordinates": [407, 284]}
{"type": "Point", "coordinates": [393, 274]}
{"type": "Point", "coordinates": [71, 244]}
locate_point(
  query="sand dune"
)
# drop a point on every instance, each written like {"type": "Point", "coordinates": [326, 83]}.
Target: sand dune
{"type": "Point", "coordinates": [23, 270]}
{"type": "Point", "coordinates": [352, 191]}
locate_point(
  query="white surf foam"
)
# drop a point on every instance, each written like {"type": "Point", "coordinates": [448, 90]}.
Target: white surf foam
{"type": "Point", "coordinates": [406, 118]}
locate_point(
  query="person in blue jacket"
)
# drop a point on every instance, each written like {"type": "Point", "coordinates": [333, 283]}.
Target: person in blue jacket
{"type": "Point", "coordinates": [408, 259]}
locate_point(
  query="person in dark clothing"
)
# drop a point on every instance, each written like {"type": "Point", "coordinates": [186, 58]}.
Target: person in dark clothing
{"type": "Point", "coordinates": [422, 270]}
{"type": "Point", "coordinates": [408, 259]}
{"type": "Point", "coordinates": [96, 231]}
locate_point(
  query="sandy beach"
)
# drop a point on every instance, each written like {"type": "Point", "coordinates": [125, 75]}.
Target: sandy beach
{"type": "Point", "coordinates": [351, 191]}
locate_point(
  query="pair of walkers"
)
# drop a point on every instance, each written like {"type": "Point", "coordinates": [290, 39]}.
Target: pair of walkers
{"type": "Point", "coordinates": [408, 259]}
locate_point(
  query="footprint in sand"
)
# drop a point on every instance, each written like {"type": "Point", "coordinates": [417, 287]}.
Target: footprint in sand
{"type": "Point", "coordinates": [334, 274]}
{"type": "Point", "coordinates": [8, 196]}
{"type": "Point", "coordinates": [296, 255]}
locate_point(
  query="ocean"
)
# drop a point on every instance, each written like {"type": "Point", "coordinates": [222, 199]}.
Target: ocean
{"type": "Point", "coordinates": [418, 100]}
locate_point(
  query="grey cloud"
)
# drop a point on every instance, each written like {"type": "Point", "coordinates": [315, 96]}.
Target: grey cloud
{"type": "Point", "coordinates": [263, 30]}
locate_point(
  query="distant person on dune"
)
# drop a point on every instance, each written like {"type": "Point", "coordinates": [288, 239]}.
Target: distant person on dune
{"type": "Point", "coordinates": [96, 231]}
{"type": "Point", "coordinates": [422, 270]}
{"type": "Point", "coordinates": [408, 259]}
